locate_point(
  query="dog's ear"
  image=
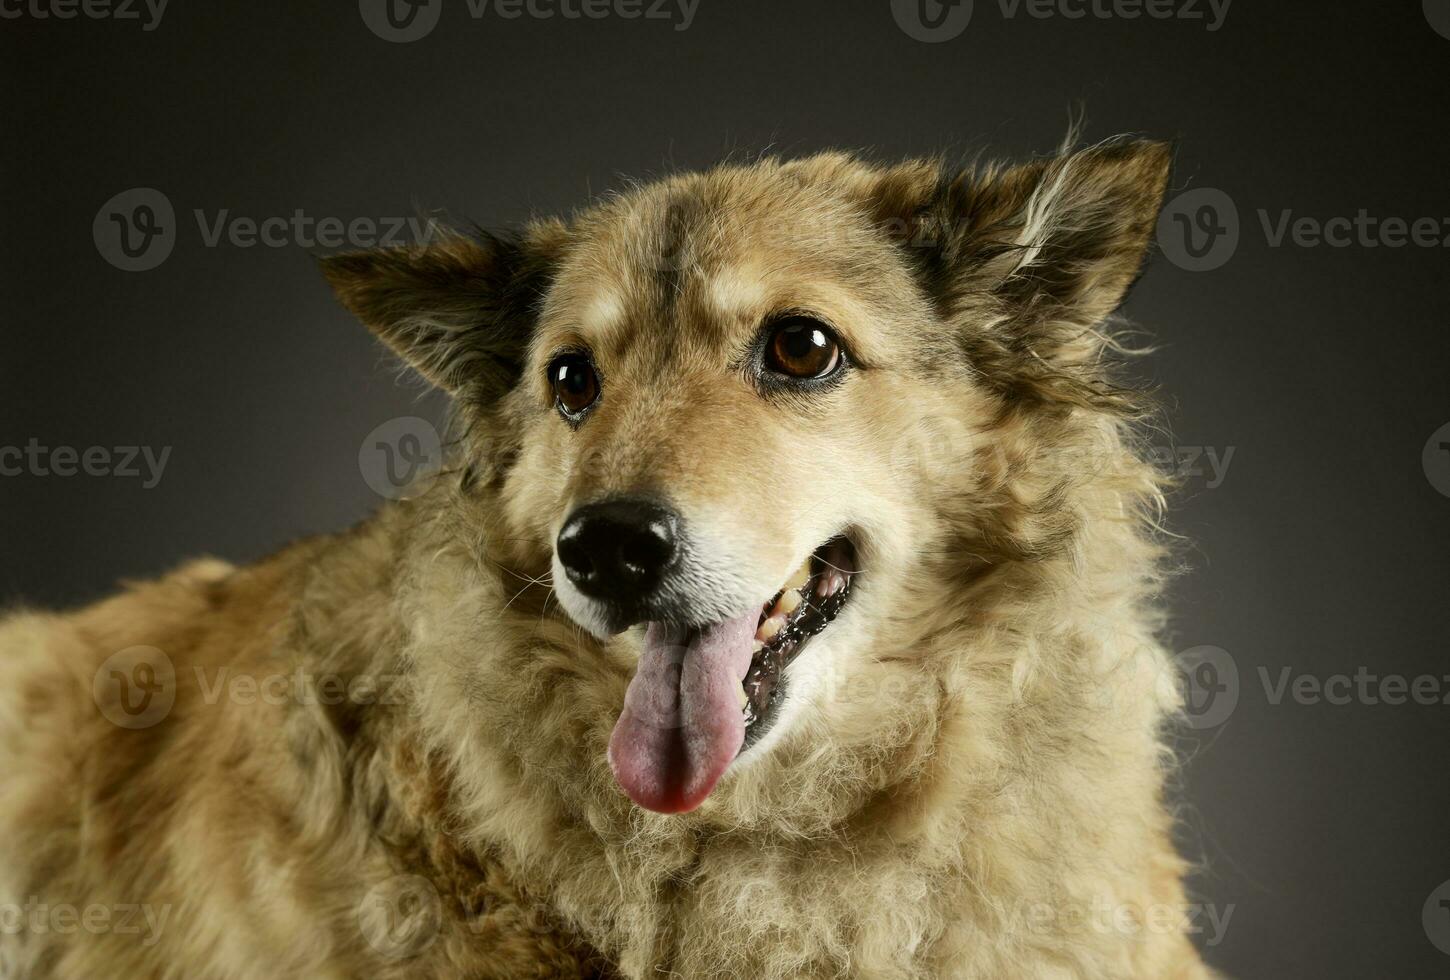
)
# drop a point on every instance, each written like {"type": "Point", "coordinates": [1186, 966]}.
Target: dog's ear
{"type": "Point", "coordinates": [1031, 258]}
{"type": "Point", "coordinates": [459, 309]}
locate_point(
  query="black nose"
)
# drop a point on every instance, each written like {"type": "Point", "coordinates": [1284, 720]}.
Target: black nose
{"type": "Point", "coordinates": [618, 550]}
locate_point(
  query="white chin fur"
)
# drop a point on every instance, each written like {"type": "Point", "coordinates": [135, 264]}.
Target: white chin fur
{"type": "Point", "coordinates": [583, 610]}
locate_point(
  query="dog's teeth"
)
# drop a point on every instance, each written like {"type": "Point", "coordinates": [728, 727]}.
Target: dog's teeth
{"type": "Point", "coordinates": [801, 577]}
{"type": "Point", "coordinates": [770, 628]}
{"type": "Point", "coordinates": [831, 583]}
{"type": "Point", "coordinates": [758, 646]}
{"type": "Point", "coordinates": [744, 698]}
{"type": "Point", "coordinates": [788, 603]}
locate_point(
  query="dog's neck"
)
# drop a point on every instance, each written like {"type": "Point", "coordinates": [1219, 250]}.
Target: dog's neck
{"type": "Point", "coordinates": [509, 709]}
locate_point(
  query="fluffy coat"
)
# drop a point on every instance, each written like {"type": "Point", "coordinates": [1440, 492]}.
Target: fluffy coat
{"type": "Point", "coordinates": [382, 751]}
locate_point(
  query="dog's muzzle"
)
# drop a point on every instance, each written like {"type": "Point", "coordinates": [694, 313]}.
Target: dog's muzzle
{"type": "Point", "coordinates": [712, 665]}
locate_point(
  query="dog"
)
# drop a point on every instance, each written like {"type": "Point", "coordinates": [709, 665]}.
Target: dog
{"type": "Point", "coordinates": [785, 608]}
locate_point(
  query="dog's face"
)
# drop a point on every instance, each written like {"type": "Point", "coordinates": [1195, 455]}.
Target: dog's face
{"type": "Point", "coordinates": [744, 410]}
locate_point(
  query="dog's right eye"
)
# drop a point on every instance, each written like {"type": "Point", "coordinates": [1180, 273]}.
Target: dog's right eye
{"type": "Point", "coordinates": [802, 349]}
{"type": "Point", "coordinates": [575, 384]}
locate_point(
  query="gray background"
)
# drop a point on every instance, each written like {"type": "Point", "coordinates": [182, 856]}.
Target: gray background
{"type": "Point", "coordinates": [1322, 549]}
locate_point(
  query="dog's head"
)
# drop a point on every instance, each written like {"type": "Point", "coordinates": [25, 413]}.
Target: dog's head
{"type": "Point", "coordinates": [748, 410]}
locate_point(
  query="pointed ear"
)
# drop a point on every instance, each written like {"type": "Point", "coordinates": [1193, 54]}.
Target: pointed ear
{"type": "Point", "coordinates": [458, 309]}
{"type": "Point", "coordinates": [1076, 229]}
{"type": "Point", "coordinates": [1035, 256]}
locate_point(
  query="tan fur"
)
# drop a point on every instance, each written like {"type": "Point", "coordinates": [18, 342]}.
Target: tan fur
{"type": "Point", "coordinates": [974, 743]}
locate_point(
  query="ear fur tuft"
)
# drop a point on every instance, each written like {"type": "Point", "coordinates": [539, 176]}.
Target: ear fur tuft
{"type": "Point", "coordinates": [458, 309]}
{"type": "Point", "coordinates": [1029, 261]}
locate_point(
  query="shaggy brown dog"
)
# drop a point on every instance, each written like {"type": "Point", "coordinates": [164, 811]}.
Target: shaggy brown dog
{"type": "Point", "coordinates": [785, 610]}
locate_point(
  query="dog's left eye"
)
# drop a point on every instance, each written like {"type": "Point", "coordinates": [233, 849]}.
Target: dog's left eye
{"type": "Point", "coordinates": [575, 384]}
{"type": "Point", "coordinates": [800, 347]}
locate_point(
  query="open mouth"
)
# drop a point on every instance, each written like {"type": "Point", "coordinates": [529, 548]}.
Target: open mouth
{"type": "Point", "coordinates": [702, 694]}
{"type": "Point", "coordinates": [813, 597]}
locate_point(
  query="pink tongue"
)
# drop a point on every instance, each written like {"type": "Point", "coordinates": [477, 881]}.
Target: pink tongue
{"type": "Point", "coordinates": [682, 725]}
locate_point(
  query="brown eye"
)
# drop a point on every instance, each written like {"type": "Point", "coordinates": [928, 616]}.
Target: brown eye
{"type": "Point", "coordinates": [575, 384]}
{"type": "Point", "coordinates": [802, 348]}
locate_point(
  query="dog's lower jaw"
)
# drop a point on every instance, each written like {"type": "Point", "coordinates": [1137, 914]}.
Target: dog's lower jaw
{"type": "Point", "coordinates": [809, 603]}
{"type": "Point", "coordinates": [702, 694]}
